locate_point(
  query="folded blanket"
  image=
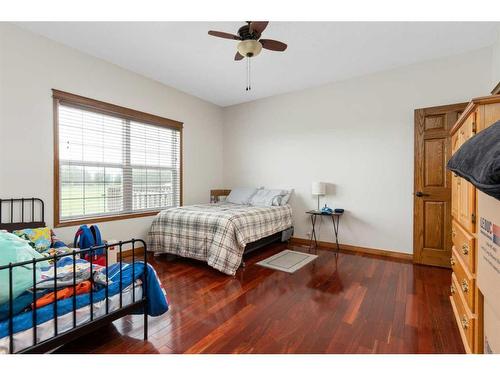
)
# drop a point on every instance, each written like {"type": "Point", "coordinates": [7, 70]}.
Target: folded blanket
{"type": "Point", "coordinates": [64, 272]}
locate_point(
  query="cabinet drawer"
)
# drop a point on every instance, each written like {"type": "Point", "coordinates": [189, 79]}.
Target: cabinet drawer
{"type": "Point", "coordinates": [465, 320]}
{"type": "Point", "coordinates": [466, 281]}
{"type": "Point", "coordinates": [463, 242]}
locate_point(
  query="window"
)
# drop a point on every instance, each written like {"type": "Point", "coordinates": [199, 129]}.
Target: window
{"type": "Point", "coordinates": [112, 162]}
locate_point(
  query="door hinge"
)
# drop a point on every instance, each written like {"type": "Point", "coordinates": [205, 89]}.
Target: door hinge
{"type": "Point", "coordinates": [474, 127]}
{"type": "Point", "coordinates": [473, 218]}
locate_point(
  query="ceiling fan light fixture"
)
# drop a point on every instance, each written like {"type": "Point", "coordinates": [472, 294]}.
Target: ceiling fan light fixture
{"type": "Point", "coordinates": [249, 48]}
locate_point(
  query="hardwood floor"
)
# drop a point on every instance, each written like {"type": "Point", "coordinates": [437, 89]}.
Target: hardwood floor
{"type": "Point", "coordinates": [358, 304]}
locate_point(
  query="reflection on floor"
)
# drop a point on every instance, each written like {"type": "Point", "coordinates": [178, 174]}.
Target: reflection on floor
{"type": "Point", "coordinates": [358, 304]}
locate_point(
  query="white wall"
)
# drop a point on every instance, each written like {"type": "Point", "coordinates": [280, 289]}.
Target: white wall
{"type": "Point", "coordinates": [495, 62]}
{"type": "Point", "coordinates": [30, 66]}
{"type": "Point", "coordinates": [356, 134]}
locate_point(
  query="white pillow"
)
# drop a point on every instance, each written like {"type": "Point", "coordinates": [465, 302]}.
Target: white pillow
{"type": "Point", "coordinates": [286, 197]}
{"type": "Point", "coordinates": [266, 197]}
{"type": "Point", "coordinates": [241, 195]}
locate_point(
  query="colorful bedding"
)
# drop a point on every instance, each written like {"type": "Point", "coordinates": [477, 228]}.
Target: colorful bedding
{"type": "Point", "coordinates": [13, 250]}
{"type": "Point", "coordinates": [39, 238]}
{"type": "Point", "coordinates": [157, 301]}
{"type": "Point", "coordinates": [44, 241]}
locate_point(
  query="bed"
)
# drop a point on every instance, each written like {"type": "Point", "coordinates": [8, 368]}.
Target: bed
{"type": "Point", "coordinates": [219, 233]}
{"type": "Point", "coordinates": [121, 289]}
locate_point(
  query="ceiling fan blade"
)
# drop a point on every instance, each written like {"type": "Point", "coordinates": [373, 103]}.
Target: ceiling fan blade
{"type": "Point", "coordinates": [238, 56]}
{"type": "Point", "coordinates": [258, 26]}
{"type": "Point", "coordinates": [273, 45]}
{"type": "Point", "coordinates": [221, 34]}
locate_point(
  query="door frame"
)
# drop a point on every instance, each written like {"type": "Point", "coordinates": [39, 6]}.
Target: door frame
{"type": "Point", "coordinates": [419, 115]}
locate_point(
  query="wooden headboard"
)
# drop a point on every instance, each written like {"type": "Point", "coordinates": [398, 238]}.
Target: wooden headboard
{"type": "Point", "coordinates": [21, 213]}
{"type": "Point", "coordinates": [216, 193]}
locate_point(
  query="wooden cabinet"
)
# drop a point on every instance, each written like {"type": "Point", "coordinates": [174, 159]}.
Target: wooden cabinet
{"type": "Point", "coordinates": [465, 195]}
{"type": "Point", "coordinates": [466, 298]}
{"type": "Point", "coordinates": [466, 205]}
{"type": "Point", "coordinates": [464, 243]}
{"type": "Point", "coordinates": [467, 322]}
{"type": "Point", "coordinates": [466, 280]}
{"type": "Point", "coordinates": [455, 191]}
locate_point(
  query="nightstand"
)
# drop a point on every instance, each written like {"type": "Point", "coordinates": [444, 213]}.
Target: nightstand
{"type": "Point", "coordinates": [335, 222]}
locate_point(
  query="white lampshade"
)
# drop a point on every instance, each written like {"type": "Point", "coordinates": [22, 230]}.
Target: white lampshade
{"type": "Point", "coordinates": [318, 188]}
{"type": "Point", "coordinates": [249, 48]}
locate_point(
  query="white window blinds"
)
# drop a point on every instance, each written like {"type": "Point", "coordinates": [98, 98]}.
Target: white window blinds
{"type": "Point", "coordinates": [112, 165]}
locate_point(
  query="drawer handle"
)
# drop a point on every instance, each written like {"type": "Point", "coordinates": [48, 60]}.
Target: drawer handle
{"type": "Point", "coordinates": [465, 286]}
{"type": "Point", "coordinates": [465, 249]}
{"type": "Point", "coordinates": [452, 289]}
{"type": "Point", "coordinates": [465, 322]}
{"type": "Point", "coordinates": [452, 261]}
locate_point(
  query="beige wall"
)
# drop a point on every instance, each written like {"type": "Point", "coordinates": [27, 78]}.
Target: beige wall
{"type": "Point", "coordinates": [495, 62]}
{"type": "Point", "coordinates": [30, 66]}
{"type": "Point", "coordinates": [356, 135]}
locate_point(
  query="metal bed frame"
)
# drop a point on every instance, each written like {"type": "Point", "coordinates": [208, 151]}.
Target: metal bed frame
{"type": "Point", "coordinates": [78, 330]}
{"type": "Point", "coordinates": [260, 243]}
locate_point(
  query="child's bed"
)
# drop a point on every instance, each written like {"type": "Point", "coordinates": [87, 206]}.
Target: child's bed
{"type": "Point", "coordinates": [28, 326]}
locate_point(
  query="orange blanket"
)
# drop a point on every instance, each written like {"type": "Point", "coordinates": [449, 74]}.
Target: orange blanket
{"type": "Point", "coordinates": [83, 287]}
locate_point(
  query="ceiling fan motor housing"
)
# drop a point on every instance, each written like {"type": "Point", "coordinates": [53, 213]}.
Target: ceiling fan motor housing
{"type": "Point", "coordinates": [244, 33]}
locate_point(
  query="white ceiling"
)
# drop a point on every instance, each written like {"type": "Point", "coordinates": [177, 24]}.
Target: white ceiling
{"type": "Point", "coordinates": [182, 55]}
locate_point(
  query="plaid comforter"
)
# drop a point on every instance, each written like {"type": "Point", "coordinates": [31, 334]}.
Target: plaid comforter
{"type": "Point", "coordinates": [215, 233]}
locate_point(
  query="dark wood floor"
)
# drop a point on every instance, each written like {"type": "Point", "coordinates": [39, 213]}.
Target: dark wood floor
{"type": "Point", "coordinates": [359, 305]}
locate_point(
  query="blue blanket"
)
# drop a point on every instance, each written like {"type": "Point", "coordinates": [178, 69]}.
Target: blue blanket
{"type": "Point", "coordinates": [157, 301]}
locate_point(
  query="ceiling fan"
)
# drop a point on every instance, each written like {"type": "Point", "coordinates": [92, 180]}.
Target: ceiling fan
{"type": "Point", "coordinates": [250, 44]}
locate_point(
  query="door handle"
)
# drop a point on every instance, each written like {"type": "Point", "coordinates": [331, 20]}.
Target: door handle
{"type": "Point", "coordinates": [420, 194]}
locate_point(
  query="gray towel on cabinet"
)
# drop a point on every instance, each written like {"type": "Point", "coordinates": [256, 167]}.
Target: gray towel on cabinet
{"type": "Point", "coordinates": [478, 161]}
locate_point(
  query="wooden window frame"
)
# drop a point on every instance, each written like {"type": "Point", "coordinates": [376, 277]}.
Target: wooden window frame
{"type": "Point", "coordinates": [61, 97]}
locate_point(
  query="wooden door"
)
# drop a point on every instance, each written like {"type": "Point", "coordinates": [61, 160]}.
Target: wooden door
{"type": "Point", "coordinates": [432, 184]}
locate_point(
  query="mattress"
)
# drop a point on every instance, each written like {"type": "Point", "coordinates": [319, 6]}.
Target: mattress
{"type": "Point", "coordinates": [215, 233]}
{"type": "Point", "coordinates": [45, 330]}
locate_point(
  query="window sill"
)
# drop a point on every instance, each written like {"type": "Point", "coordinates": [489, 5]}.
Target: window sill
{"type": "Point", "coordinates": [100, 219]}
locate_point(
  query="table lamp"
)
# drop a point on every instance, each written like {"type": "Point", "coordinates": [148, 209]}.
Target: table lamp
{"type": "Point", "coordinates": [318, 188]}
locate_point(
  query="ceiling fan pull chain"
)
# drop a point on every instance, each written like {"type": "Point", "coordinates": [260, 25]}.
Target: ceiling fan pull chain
{"type": "Point", "coordinates": [249, 74]}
